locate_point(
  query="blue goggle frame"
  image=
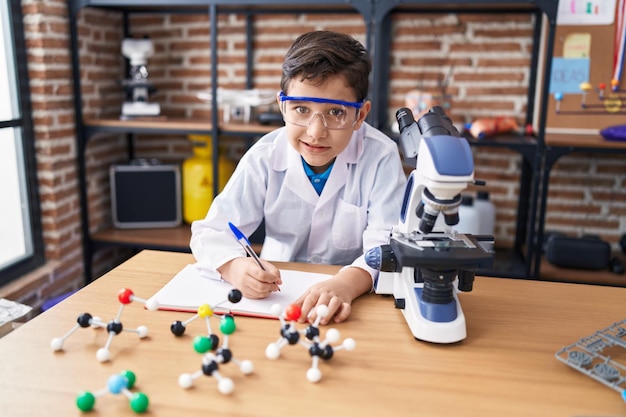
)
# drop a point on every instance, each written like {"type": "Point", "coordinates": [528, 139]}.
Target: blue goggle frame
{"type": "Point", "coordinates": [355, 104]}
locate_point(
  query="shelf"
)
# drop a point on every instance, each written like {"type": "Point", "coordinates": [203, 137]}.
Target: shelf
{"type": "Point", "coordinates": [549, 7]}
{"type": "Point", "coordinates": [171, 238]}
{"type": "Point", "coordinates": [275, 6]}
{"type": "Point", "coordinates": [525, 145]}
{"type": "Point", "coordinates": [197, 3]}
{"type": "Point", "coordinates": [170, 125]}
{"type": "Point", "coordinates": [167, 238]}
{"type": "Point", "coordinates": [595, 142]}
{"type": "Point", "coordinates": [550, 272]}
{"type": "Point", "coordinates": [505, 140]}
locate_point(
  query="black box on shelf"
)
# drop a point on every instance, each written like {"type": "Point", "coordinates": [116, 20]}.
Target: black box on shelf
{"type": "Point", "coordinates": [145, 194]}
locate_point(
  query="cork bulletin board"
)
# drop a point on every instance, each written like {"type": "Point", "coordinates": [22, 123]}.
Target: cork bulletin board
{"type": "Point", "coordinates": [585, 53]}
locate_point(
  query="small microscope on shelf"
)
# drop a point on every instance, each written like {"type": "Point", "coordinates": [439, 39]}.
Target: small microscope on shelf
{"type": "Point", "coordinates": [422, 269]}
{"type": "Point", "coordinates": [137, 87]}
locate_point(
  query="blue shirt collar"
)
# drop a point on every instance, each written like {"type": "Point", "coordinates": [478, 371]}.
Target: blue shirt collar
{"type": "Point", "coordinates": [317, 180]}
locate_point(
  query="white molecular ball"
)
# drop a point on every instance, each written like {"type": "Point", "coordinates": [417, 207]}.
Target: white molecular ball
{"type": "Point", "coordinates": [272, 351]}
{"type": "Point", "coordinates": [333, 335]}
{"type": "Point", "coordinates": [226, 386]}
{"type": "Point", "coordinates": [142, 331]}
{"type": "Point", "coordinates": [102, 355]}
{"type": "Point", "coordinates": [152, 304]}
{"type": "Point", "coordinates": [313, 375]}
{"type": "Point", "coordinates": [56, 344]}
{"type": "Point", "coordinates": [322, 310]}
{"type": "Point", "coordinates": [247, 367]}
{"type": "Point", "coordinates": [349, 344]}
{"type": "Point", "coordinates": [276, 309]}
{"type": "Point", "coordinates": [185, 381]}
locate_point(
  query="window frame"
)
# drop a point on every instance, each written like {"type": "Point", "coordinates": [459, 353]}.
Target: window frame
{"type": "Point", "coordinates": [25, 124]}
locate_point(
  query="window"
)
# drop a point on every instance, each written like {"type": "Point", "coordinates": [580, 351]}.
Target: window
{"type": "Point", "coordinates": [21, 244]}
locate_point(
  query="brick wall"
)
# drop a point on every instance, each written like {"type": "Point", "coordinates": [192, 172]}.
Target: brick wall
{"type": "Point", "coordinates": [489, 57]}
{"type": "Point", "coordinates": [587, 195]}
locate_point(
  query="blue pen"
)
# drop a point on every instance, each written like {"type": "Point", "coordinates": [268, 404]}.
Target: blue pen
{"type": "Point", "coordinates": [243, 241]}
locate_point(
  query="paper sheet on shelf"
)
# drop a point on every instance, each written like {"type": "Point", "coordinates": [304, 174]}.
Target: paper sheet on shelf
{"type": "Point", "coordinates": [193, 287]}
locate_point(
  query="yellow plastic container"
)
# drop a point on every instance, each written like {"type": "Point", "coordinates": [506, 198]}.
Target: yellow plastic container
{"type": "Point", "coordinates": [198, 178]}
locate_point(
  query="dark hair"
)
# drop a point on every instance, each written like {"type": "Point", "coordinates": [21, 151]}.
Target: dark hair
{"type": "Point", "coordinates": [317, 55]}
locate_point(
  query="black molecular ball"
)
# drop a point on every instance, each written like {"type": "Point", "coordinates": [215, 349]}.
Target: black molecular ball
{"type": "Point", "coordinates": [234, 296]}
{"type": "Point", "coordinates": [177, 328]}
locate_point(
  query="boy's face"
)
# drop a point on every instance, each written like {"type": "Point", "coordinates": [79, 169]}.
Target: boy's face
{"type": "Point", "coordinates": [316, 135]}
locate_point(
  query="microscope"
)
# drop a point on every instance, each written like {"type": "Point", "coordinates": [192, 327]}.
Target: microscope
{"type": "Point", "coordinates": [422, 269]}
{"type": "Point", "coordinates": [137, 87]}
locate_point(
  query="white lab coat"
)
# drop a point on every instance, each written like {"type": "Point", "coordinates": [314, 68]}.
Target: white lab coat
{"type": "Point", "coordinates": [360, 203]}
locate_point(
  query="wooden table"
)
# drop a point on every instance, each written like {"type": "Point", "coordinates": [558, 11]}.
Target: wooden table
{"type": "Point", "coordinates": [506, 366]}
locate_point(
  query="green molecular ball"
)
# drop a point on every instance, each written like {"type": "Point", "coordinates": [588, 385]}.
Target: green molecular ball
{"type": "Point", "coordinates": [139, 402]}
{"type": "Point", "coordinates": [130, 377]}
{"type": "Point", "coordinates": [85, 401]}
{"type": "Point", "coordinates": [202, 344]}
{"type": "Point", "coordinates": [227, 324]}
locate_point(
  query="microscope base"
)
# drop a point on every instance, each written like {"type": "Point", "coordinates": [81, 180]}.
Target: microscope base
{"type": "Point", "coordinates": [436, 323]}
{"type": "Point", "coordinates": [137, 108]}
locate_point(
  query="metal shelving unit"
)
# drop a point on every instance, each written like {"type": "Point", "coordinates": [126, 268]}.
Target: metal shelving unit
{"type": "Point", "coordinates": [175, 239]}
{"type": "Point", "coordinates": [520, 261]}
{"type": "Point", "coordinates": [556, 147]}
{"type": "Point", "coordinates": [377, 18]}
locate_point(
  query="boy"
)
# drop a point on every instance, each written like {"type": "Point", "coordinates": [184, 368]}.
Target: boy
{"type": "Point", "coordinates": [328, 185]}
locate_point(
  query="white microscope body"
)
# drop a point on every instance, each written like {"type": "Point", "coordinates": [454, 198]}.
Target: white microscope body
{"type": "Point", "coordinates": [138, 88]}
{"type": "Point", "coordinates": [422, 270]}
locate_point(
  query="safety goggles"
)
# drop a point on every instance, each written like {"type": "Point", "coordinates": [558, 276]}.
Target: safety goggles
{"type": "Point", "coordinates": [335, 114]}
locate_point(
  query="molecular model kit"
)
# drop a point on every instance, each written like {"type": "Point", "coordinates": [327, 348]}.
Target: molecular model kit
{"type": "Point", "coordinates": [211, 361]}
{"type": "Point", "coordinates": [120, 383]}
{"type": "Point", "coordinates": [595, 355]}
{"type": "Point", "coordinates": [213, 355]}
{"type": "Point", "coordinates": [611, 103]}
{"type": "Point", "coordinates": [114, 327]}
{"type": "Point", "coordinates": [318, 348]}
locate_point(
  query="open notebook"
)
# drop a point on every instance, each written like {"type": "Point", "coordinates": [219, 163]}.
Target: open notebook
{"type": "Point", "coordinates": [193, 287]}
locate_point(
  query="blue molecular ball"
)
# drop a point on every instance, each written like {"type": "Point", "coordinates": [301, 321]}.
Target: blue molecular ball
{"type": "Point", "coordinates": [117, 383]}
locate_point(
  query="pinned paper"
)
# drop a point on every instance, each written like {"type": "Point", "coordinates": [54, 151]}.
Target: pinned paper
{"type": "Point", "coordinates": [568, 74]}
{"type": "Point", "coordinates": [577, 45]}
{"type": "Point", "coordinates": [586, 12]}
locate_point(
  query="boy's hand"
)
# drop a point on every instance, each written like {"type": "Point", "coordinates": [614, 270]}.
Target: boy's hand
{"type": "Point", "coordinates": [253, 282]}
{"type": "Point", "coordinates": [336, 293]}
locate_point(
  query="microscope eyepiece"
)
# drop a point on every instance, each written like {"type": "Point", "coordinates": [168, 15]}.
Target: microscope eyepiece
{"type": "Point", "coordinates": [405, 118]}
{"type": "Point", "coordinates": [436, 122]}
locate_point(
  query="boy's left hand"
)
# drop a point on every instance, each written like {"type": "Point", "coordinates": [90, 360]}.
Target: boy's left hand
{"type": "Point", "coordinates": [337, 293]}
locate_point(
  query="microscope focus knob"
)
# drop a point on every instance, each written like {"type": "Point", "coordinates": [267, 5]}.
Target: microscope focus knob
{"type": "Point", "coordinates": [382, 258]}
{"type": "Point", "coordinates": [466, 280]}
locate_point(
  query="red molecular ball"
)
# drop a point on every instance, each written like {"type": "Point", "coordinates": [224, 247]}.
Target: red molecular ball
{"type": "Point", "coordinates": [293, 312]}
{"type": "Point", "coordinates": [125, 296]}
